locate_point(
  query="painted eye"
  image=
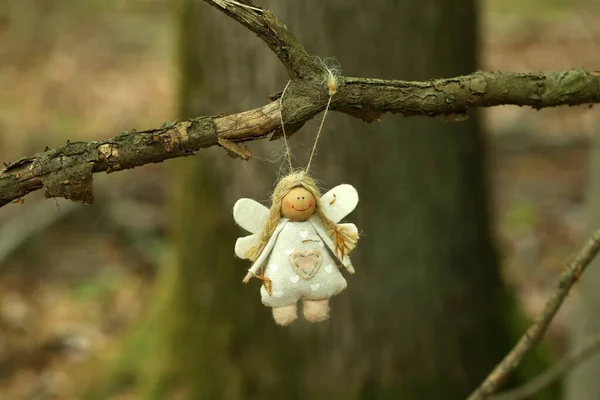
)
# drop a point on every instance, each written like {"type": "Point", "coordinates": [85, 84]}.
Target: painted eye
{"type": "Point", "coordinates": [298, 198]}
{"type": "Point", "coordinates": [302, 197]}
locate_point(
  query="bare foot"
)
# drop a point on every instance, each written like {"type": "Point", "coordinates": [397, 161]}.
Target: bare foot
{"type": "Point", "coordinates": [316, 310]}
{"type": "Point", "coordinates": [285, 315]}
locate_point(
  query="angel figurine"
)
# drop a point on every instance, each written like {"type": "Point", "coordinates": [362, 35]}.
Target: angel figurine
{"type": "Point", "coordinates": [297, 246]}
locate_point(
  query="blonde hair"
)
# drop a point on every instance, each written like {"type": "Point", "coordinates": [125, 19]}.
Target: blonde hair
{"type": "Point", "coordinates": [344, 239]}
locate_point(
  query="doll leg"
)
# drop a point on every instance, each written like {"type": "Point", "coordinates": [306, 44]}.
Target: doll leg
{"type": "Point", "coordinates": [285, 315]}
{"type": "Point", "coordinates": [316, 310]}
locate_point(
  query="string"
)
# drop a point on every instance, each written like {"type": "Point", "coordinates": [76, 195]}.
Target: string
{"type": "Point", "coordinates": [287, 146]}
{"type": "Point", "coordinates": [268, 284]}
{"type": "Point", "coordinates": [332, 90]}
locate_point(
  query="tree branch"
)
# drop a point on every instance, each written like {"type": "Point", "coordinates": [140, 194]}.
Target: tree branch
{"type": "Point", "coordinates": [481, 89]}
{"type": "Point", "coordinates": [565, 365]}
{"type": "Point", "coordinates": [67, 171]}
{"type": "Point", "coordinates": [536, 331]}
{"type": "Point", "coordinates": [275, 35]}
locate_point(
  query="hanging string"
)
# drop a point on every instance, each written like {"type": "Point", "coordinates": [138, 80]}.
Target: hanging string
{"type": "Point", "coordinates": [287, 146]}
{"type": "Point", "coordinates": [332, 84]}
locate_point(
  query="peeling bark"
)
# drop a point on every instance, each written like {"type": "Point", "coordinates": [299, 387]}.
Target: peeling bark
{"type": "Point", "coordinates": [67, 170]}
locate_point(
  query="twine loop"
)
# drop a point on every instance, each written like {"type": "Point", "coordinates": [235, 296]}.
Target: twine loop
{"type": "Point", "coordinates": [268, 284]}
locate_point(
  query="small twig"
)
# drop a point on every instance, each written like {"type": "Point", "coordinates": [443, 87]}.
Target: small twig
{"type": "Point", "coordinates": [291, 53]}
{"type": "Point", "coordinates": [564, 366]}
{"type": "Point", "coordinates": [536, 331]}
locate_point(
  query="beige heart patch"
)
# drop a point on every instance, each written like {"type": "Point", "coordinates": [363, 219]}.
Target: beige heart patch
{"type": "Point", "coordinates": [306, 263]}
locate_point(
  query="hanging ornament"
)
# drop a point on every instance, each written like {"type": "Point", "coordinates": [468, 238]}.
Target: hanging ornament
{"type": "Point", "coordinates": [298, 246]}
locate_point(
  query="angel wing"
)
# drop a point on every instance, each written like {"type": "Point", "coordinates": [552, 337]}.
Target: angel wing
{"type": "Point", "coordinates": [339, 202]}
{"type": "Point", "coordinates": [252, 216]}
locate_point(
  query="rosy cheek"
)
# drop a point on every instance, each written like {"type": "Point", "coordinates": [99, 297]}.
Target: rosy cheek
{"type": "Point", "coordinates": [309, 204]}
{"type": "Point", "coordinates": [286, 203]}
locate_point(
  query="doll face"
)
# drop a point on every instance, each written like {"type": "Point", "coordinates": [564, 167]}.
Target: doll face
{"type": "Point", "coordinates": [298, 205]}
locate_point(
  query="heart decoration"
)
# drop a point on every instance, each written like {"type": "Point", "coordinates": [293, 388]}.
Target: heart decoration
{"type": "Point", "coordinates": [306, 263]}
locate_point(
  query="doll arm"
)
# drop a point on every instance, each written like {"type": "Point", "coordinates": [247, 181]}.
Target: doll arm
{"type": "Point", "coordinates": [267, 250]}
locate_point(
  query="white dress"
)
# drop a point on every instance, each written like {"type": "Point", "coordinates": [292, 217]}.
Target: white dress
{"type": "Point", "coordinates": [300, 265]}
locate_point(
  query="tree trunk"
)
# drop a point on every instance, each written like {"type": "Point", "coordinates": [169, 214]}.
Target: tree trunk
{"type": "Point", "coordinates": [424, 316]}
{"type": "Point", "coordinates": [216, 339]}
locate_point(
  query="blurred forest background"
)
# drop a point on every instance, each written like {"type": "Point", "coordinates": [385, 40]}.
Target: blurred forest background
{"type": "Point", "coordinates": [139, 296]}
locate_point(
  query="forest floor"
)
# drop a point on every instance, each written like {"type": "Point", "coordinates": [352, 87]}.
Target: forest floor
{"type": "Point", "coordinates": [75, 279]}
